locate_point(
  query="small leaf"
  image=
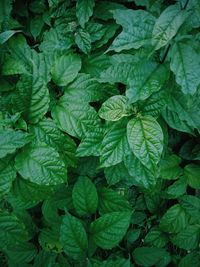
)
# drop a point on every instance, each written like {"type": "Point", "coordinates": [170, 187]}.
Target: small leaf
{"type": "Point", "coordinates": [115, 108]}
{"type": "Point", "coordinates": [83, 41]}
{"type": "Point", "coordinates": [5, 36]}
{"type": "Point", "coordinates": [73, 237]}
{"type": "Point", "coordinates": [84, 10]}
{"type": "Point", "coordinates": [192, 172]}
{"type": "Point", "coordinates": [84, 195]}
{"type": "Point", "coordinates": [109, 229]}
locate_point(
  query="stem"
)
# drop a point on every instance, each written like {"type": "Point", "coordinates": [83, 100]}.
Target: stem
{"type": "Point", "coordinates": [186, 3]}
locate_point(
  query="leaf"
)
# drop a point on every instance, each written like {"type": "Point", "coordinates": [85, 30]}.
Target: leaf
{"type": "Point", "coordinates": [141, 174]}
{"type": "Point", "coordinates": [174, 220]}
{"type": "Point", "coordinates": [5, 36]}
{"type": "Point", "coordinates": [191, 205]}
{"type": "Point", "coordinates": [91, 144]}
{"type": "Point", "coordinates": [41, 165]}
{"type": "Point", "coordinates": [108, 230]}
{"type": "Point", "coordinates": [46, 131]}
{"type": "Point", "coordinates": [10, 140]}
{"type": "Point", "coordinates": [31, 98]}
{"type": "Point", "coordinates": [115, 108]}
{"type": "Point", "coordinates": [192, 172]}
{"type": "Point", "coordinates": [74, 118]}
{"type": "Point", "coordinates": [110, 201]}
{"type": "Point", "coordinates": [145, 138]}
{"type": "Point", "coordinates": [116, 173]}
{"type": "Point", "coordinates": [84, 10]}
{"type": "Point", "coordinates": [169, 167]}
{"type": "Point", "coordinates": [65, 69]}
{"type": "Point", "coordinates": [191, 259]}
{"type": "Point", "coordinates": [84, 195]}
{"type": "Point", "coordinates": [137, 28]}
{"type": "Point", "coordinates": [73, 237]}
{"type": "Point", "coordinates": [114, 145]}
{"type": "Point", "coordinates": [149, 256]}
{"type": "Point", "coordinates": [156, 238]}
{"type": "Point", "coordinates": [146, 79]}
{"type": "Point", "coordinates": [188, 238]}
{"type": "Point", "coordinates": [83, 41]}
{"type": "Point", "coordinates": [7, 176]}
{"type": "Point", "coordinates": [185, 68]}
{"type": "Point", "coordinates": [167, 25]}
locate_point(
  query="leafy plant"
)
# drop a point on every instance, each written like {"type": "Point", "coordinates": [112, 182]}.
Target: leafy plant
{"type": "Point", "coordinates": [99, 133]}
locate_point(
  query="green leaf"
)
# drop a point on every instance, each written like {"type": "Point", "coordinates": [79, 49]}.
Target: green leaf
{"type": "Point", "coordinates": [114, 145]}
{"type": "Point", "coordinates": [65, 69]}
{"type": "Point", "coordinates": [108, 230]}
{"type": "Point", "coordinates": [137, 28]}
{"type": "Point", "coordinates": [12, 230]}
{"type": "Point", "coordinates": [46, 131]}
{"type": "Point", "coordinates": [146, 79]}
{"type": "Point", "coordinates": [83, 41]}
{"type": "Point", "coordinates": [191, 259]}
{"type": "Point", "coordinates": [110, 201]}
{"type": "Point", "coordinates": [169, 167]}
{"type": "Point", "coordinates": [192, 172]}
{"type": "Point", "coordinates": [21, 253]}
{"type": "Point", "coordinates": [167, 25]}
{"type": "Point", "coordinates": [174, 220]}
{"type": "Point", "coordinates": [7, 176]}
{"type": "Point", "coordinates": [191, 205]}
{"type": "Point", "coordinates": [41, 165]}
{"type": "Point", "coordinates": [10, 140]}
{"type": "Point", "coordinates": [74, 118]}
{"type": "Point", "coordinates": [5, 36]}
{"type": "Point", "coordinates": [145, 138]}
{"type": "Point", "coordinates": [84, 195]}
{"type": "Point", "coordinates": [91, 144]}
{"type": "Point", "coordinates": [188, 238]}
{"type": "Point", "coordinates": [141, 174]}
{"type": "Point", "coordinates": [73, 237]}
{"type": "Point", "coordinates": [84, 10]}
{"type": "Point", "coordinates": [115, 108]}
{"type": "Point", "coordinates": [116, 173]}
{"type": "Point", "coordinates": [149, 256]}
{"type": "Point", "coordinates": [185, 65]}
{"type": "Point", "coordinates": [156, 238]}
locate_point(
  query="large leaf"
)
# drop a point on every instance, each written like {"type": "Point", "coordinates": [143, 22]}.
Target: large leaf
{"type": "Point", "coordinates": [76, 117]}
{"type": "Point", "coordinates": [41, 165]}
{"type": "Point", "coordinates": [114, 145]}
{"type": "Point", "coordinates": [146, 79]}
{"type": "Point", "coordinates": [137, 28]}
{"type": "Point", "coordinates": [115, 108]}
{"type": "Point", "coordinates": [149, 256]}
{"type": "Point", "coordinates": [10, 140]}
{"type": "Point", "coordinates": [185, 65]}
{"type": "Point", "coordinates": [73, 237]}
{"type": "Point", "coordinates": [174, 220]}
{"type": "Point", "coordinates": [167, 25]}
{"type": "Point", "coordinates": [84, 195]}
{"type": "Point", "coordinates": [110, 200]}
{"type": "Point", "coordinates": [65, 69]}
{"type": "Point", "coordinates": [108, 230]}
{"type": "Point", "coordinates": [145, 138]}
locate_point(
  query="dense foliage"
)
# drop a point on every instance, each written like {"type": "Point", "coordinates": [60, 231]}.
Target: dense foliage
{"type": "Point", "coordinates": [99, 133]}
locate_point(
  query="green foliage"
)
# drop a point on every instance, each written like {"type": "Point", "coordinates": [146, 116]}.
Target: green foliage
{"type": "Point", "coordinates": [99, 133]}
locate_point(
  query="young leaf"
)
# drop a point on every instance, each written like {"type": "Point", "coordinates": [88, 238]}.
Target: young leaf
{"type": "Point", "coordinates": [108, 230]}
{"type": "Point", "coordinates": [145, 138]}
{"type": "Point", "coordinates": [84, 195]}
{"type": "Point", "coordinates": [73, 237]}
{"type": "Point", "coordinates": [84, 10]}
{"type": "Point", "coordinates": [115, 108]}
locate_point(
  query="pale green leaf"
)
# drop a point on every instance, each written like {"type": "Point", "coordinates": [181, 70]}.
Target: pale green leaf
{"type": "Point", "coordinates": [145, 138]}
